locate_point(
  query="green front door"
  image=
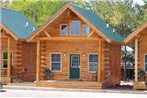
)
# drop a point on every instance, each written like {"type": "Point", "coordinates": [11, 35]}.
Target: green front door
{"type": "Point", "coordinates": [75, 66]}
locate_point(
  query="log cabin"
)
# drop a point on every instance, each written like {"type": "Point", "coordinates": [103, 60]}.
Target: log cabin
{"type": "Point", "coordinates": [139, 38]}
{"type": "Point", "coordinates": [17, 57]}
{"type": "Point", "coordinates": [79, 48]}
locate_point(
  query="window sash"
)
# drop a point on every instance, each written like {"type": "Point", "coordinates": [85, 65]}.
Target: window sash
{"type": "Point", "coordinates": [56, 62]}
{"type": "Point", "coordinates": [75, 28]}
{"type": "Point", "coordinates": [55, 66]}
{"type": "Point", "coordinates": [145, 67]}
{"type": "Point", "coordinates": [93, 64]}
{"type": "Point", "coordinates": [63, 31]}
{"type": "Point", "coordinates": [86, 29]}
{"type": "Point", "coordinates": [93, 67]}
{"type": "Point", "coordinates": [145, 63]}
{"type": "Point", "coordinates": [4, 60]}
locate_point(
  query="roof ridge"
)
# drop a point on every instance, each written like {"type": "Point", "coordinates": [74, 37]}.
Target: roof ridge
{"type": "Point", "coordinates": [10, 9]}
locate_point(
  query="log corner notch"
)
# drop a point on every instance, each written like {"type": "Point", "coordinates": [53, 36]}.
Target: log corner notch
{"type": "Point", "coordinates": [38, 66]}
{"type": "Point", "coordinates": [100, 46]}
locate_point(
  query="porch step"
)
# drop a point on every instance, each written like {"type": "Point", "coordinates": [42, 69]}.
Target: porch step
{"type": "Point", "coordinates": [70, 84]}
{"type": "Point", "coordinates": [140, 86]}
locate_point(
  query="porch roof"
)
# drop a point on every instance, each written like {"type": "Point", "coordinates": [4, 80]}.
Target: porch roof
{"type": "Point", "coordinates": [17, 23]}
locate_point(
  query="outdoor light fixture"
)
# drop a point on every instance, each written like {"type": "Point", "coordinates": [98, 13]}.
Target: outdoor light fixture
{"type": "Point", "coordinates": [64, 54]}
{"type": "Point", "coordinates": [83, 54]}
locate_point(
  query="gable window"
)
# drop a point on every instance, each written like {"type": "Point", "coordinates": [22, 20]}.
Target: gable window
{"type": "Point", "coordinates": [86, 30]}
{"type": "Point", "coordinates": [93, 62]}
{"type": "Point", "coordinates": [1, 31]}
{"type": "Point", "coordinates": [64, 29]}
{"type": "Point", "coordinates": [5, 59]}
{"type": "Point", "coordinates": [145, 63]}
{"type": "Point", "coordinates": [75, 28]}
{"type": "Point", "coordinates": [55, 62]}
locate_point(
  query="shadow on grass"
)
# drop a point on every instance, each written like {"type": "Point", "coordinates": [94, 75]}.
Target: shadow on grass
{"type": "Point", "coordinates": [2, 91]}
{"type": "Point", "coordinates": [122, 87]}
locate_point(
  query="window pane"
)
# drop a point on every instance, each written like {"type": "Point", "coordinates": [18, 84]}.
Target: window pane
{"type": "Point", "coordinates": [93, 58]}
{"type": "Point", "coordinates": [93, 62]}
{"type": "Point", "coordinates": [4, 63]}
{"type": "Point", "coordinates": [64, 30]}
{"type": "Point", "coordinates": [145, 58]}
{"type": "Point", "coordinates": [11, 56]}
{"type": "Point", "coordinates": [5, 55]}
{"type": "Point", "coordinates": [75, 28]}
{"type": "Point", "coordinates": [55, 57]}
{"type": "Point", "coordinates": [86, 29]}
{"type": "Point", "coordinates": [55, 66]}
{"type": "Point", "coordinates": [145, 67]}
{"type": "Point", "coordinates": [93, 66]}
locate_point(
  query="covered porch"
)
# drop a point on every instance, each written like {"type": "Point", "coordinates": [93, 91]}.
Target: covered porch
{"type": "Point", "coordinates": [86, 80]}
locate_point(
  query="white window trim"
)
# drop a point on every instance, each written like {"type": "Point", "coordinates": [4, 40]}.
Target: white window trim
{"type": "Point", "coordinates": [61, 30]}
{"type": "Point", "coordinates": [83, 30]}
{"type": "Point", "coordinates": [145, 63]}
{"type": "Point", "coordinates": [60, 62]}
{"type": "Point", "coordinates": [88, 61]}
{"type": "Point", "coordinates": [70, 28]}
{"type": "Point", "coordinates": [5, 59]}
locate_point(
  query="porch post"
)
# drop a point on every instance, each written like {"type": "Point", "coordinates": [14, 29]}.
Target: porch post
{"type": "Point", "coordinates": [136, 59]}
{"type": "Point", "coordinates": [38, 62]}
{"type": "Point", "coordinates": [9, 59]}
{"type": "Point", "coordinates": [99, 59]}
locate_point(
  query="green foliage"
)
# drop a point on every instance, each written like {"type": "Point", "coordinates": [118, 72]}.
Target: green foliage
{"type": "Point", "coordinates": [39, 10]}
{"type": "Point", "coordinates": [121, 14]}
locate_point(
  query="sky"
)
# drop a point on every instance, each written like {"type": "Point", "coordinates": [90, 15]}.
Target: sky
{"type": "Point", "coordinates": [138, 1]}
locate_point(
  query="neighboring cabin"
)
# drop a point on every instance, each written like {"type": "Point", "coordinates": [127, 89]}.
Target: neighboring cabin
{"type": "Point", "coordinates": [75, 44]}
{"type": "Point", "coordinates": [139, 37]}
{"type": "Point", "coordinates": [17, 57]}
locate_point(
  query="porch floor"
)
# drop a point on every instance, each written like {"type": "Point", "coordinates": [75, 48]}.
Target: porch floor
{"type": "Point", "coordinates": [69, 84]}
{"type": "Point", "coordinates": [140, 85]}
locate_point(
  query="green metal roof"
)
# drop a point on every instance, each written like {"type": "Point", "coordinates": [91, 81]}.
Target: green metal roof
{"type": "Point", "coordinates": [99, 23]}
{"type": "Point", "coordinates": [16, 23]}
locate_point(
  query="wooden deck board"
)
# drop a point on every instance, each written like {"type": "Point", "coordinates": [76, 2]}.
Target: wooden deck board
{"type": "Point", "coordinates": [139, 85]}
{"type": "Point", "coordinates": [69, 84]}
{"type": "Point", "coordinates": [5, 79]}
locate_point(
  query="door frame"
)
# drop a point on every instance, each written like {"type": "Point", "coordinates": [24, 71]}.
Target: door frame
{"type": "Point", "coordinates": [79, 66]}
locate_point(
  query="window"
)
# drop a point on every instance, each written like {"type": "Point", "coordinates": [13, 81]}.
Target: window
{"type": "Point", "coordinates": [86, 29]}
{"type": "Point", "coordinates": [64, 29]}
{"type": "Point", "coordinates": [145, 64]}
{"type": "Point", "coordinates": [5, 58]}
{"type": "Point", "coordinates": [93, 62]}
{"type": "Point", "coordinates": [55, 62]}
{"type": "Point", "coordinates": [1, 31]}
{"type": "Point", "coordinates": [75, 28]}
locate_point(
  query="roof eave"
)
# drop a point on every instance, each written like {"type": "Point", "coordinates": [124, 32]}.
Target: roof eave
{"type": "Point", "coordinates": [9, 31]}
{"type": "Point", "coordinates": [132, 36]}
